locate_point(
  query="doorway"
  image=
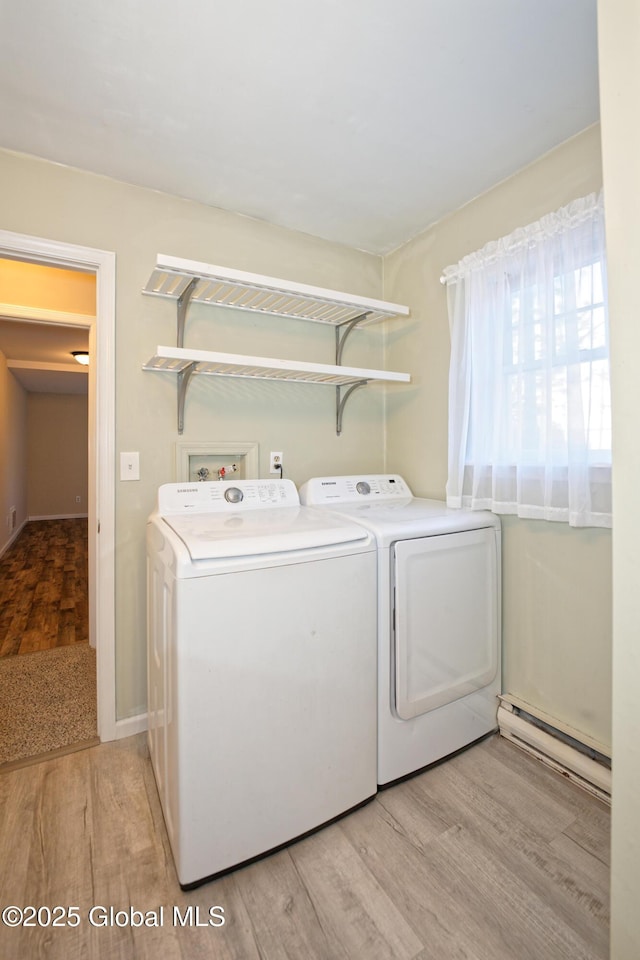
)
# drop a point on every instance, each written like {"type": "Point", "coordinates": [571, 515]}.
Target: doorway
{"type": "Point", "coordinates": [101, 407]}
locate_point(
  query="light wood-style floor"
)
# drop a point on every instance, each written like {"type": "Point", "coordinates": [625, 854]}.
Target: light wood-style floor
{"type": "Point", "coordinates": [487, 856]}
{"type": "Point", "coordinates": [43, 587]}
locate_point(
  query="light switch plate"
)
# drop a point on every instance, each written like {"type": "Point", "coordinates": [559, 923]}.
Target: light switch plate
{"type": "Point", "coordinates": [130, 466]}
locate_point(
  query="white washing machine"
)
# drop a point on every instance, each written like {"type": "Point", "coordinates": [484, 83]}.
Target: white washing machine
{"type": "Point", "coordinates": [261, 669]}
{"type": "Point", "coordinates": [439, 633]}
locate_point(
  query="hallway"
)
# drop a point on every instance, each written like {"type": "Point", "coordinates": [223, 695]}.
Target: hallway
{"type": "Point", "coordinates": [47, 668]}
{"type": "Point", "coordinates": [43, 588]}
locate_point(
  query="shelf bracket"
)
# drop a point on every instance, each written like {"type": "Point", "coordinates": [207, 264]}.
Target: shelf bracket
{"type": "Point", "coordinates": [341, 400]}
{"type": "Point", "coordinates": [342, 332]}
{"type": "Point", "coordinates": [185, 375]}
{"type": "Point", "coordinates": [183, 382]}
{"type": "Point", "coordinates": [183, 305]}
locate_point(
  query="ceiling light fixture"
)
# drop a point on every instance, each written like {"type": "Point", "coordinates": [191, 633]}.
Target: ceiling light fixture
{"type": "Point", "coordinates": [82, 356]}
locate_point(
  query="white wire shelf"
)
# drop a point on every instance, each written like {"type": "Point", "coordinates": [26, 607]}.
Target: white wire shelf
{"type": "Point", "coordinates": [186, 281]}
{"type": "Point", "coordinates": [178, 359]}
{"type": "Point", "coordinates": [224, 287]}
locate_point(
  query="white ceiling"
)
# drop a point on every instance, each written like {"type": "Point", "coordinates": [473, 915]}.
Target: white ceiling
{"type": "Point", "coordinates": [43, 352]}
{"type": "Point", "coordinates": [361, 121]}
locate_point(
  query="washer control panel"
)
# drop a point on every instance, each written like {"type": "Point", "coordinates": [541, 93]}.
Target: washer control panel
{"type": "Point", "coordinates": [379, 488]}
{"type": "Point", "coordinates": [219, 495]}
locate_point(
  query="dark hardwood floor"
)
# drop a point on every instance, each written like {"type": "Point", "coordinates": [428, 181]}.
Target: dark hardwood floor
{"type": "Point", "coordinates": [44, 588]}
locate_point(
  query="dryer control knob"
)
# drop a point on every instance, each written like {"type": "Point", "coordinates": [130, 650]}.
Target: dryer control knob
{"type": "Point", "coordinates": [233, 495]}
{"type": "Point", "coordinates": [363, 487]}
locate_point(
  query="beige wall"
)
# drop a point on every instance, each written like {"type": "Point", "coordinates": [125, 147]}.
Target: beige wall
{"type": "Point", "coordinates": [57, 451]}
{"type": "Point", "coordinates": [13, 463]}
{"type": "Point", "coordinates": [552, 650]}
{"type": "Point", "coordinates": [556, 592]}
{"type": "Point", "coordinates": [67, 205]}
{"type": "Point", "coordinates": [619, 53]}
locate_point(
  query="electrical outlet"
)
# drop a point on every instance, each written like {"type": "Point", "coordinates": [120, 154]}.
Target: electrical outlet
{"type": "Point", "coordinates": [275, 461]}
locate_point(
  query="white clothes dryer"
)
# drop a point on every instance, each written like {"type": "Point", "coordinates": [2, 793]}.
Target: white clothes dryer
{"type": "Point", "coordinates": [439, 625]}
{"type": "Point", "coordinates": [261, 669]}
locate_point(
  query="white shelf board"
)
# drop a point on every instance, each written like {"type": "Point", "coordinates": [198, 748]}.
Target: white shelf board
{"type": "Point", "coordinates": [225, 287]}
{"type": "Point", "coordinates": [177, 359]}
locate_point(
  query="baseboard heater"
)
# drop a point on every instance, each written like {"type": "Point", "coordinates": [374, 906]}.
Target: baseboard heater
{"type": "Point", "coordinates": [581, 762]}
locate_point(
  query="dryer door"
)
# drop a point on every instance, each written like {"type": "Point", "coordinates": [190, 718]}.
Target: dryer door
{"type": "Point", "coordinates": [446, 636]}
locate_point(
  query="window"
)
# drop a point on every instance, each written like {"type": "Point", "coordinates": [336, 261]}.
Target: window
{"type": "Point", "coordinates": [529, 394]}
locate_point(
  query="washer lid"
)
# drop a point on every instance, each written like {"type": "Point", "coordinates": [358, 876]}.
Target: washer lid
{"type": "Point", "coordinates": [245, 533]}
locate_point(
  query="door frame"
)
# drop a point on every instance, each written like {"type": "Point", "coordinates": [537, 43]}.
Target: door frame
{"type": "Point", "coordinates": [101, 498]}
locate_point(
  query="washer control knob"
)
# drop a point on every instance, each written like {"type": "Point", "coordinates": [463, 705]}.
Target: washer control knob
{"type": "Point", "coordinates": [233, 495]}
{"type": "Point", "coordinates": [363, 487]}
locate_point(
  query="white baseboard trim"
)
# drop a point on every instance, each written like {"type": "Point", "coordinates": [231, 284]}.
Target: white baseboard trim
{"type": "Point", "coordinates": [14, 536]}
{"type": "Point", "coordinates": [61, 516]}
{"type": "Point", "coordinates": [572, 763]}
{"type": "Point", "coordinates": [130, 726]}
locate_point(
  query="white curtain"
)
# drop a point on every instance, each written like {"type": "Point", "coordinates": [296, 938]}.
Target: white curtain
{"type": "Point", "coordinates": [529, 396]}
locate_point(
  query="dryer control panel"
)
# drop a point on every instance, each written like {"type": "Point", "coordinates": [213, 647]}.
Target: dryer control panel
{"type": "Point", "coordinates": [378, 488]}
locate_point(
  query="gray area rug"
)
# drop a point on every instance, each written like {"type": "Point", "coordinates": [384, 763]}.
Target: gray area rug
{"type": "Point", "coordinates": [47, 701]}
